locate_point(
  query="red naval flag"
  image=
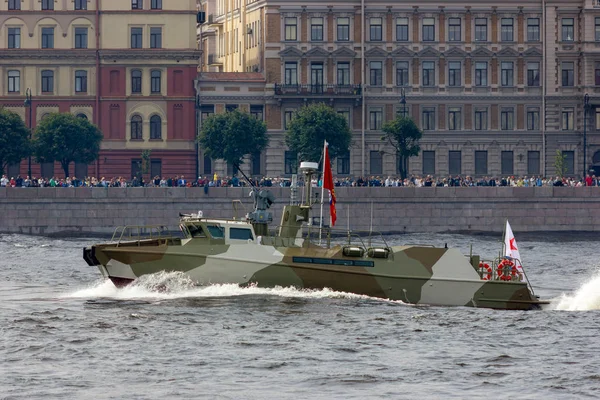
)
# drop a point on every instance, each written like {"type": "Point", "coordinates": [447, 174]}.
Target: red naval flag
{"type": "Point", "coordinates": [328, 184]}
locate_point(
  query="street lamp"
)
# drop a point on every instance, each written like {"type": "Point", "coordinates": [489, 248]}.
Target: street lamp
{"type": "Point", "coordinates": [403, 102]}
{"type": "Point", "coordinates": [27, 104]}
{"type": "Point", "coordinates": [586, 106]}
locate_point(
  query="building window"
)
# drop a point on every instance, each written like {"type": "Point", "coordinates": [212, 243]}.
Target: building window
{"type": "Point", "coordinates": [345, 114]}
{"type": "Point", "coordinates": [155, 81]}
{"type": "Point", "coordinates": [206, 111]}
{"type": "Point", "coordinates": [429, 162]}
{"type": "Point", "coordinates": [47, 4]}
{"type": "Point", "coordinates": [316, 29]}
{"type": "Point", "coordinates": [14, 38]}
{"type": "Point", "coordinates": [567, 119]}
{"type": "Point", "coordinates": [80, 81]}
{"type": "Point", "coordinates": [156, 5]}
{"type": "Point", "coordinates": [428, 119]}
{"type": "Point", "coordinates": [375, 119]}
{"type": "Point", "coordinates": [155, 127]}
{"type": "Point", "coordinates": [376, 73]}
{"type": "Point", "coordinates": [14, 81]}
{"type": "Point", "coordinates": [256, 111]}
{"type": "Point", "coordinates": [343, 73]}
{"type": "Point", "coordinates": [375, 30]}
{"type": "Point", "coordinates": [533, 162]}
{"type": "Point", "coordinates": [376, 162]}
{"type": "Point", "coordinates": [291, 29]}
{"type": "Point", "coordinates": [316, 77]}
{"type": "Point", "coordinates": [428, 73]}
{"type": "Point", "coordinates": [533, 29]}
{"type": "Point", "coordinates": [14, 4]}
{"type": "Point", "coordinates": [136, 128]}
{"type": "Point", "coordinates": [82, 116]}
{"type": "Point", "coordinates": [454, 30]}
{"type": "Point", "coordinates": [597, 29]}
{"type": "Point", "coordinates": [481, 72]}
{"type": "Point", "coordinates": [136, 81]}
{"type": "Point", "coordinates": [136, 38]}
{"type": "Point", "coordinates": [454, 119]}
{"type": "Point", "coordinates": [291, 73]}
{"type": "Point", "coordinates": [47, 81]}
{"type": "Point", "coordinates": [568, 29]}
{"type": "Point", "coordinates": [402, 73]}
{"type": "Point", "coordinates": [454, 162]}
{"type": "Point", "coordinates": [454, 73]}
{"type": "Point", "coordinates": [155, 38]}
{"type": "Point", "coordinates": [231, 107]}
{"type": "Point", "coordinates": [481, 162]}
{"type": "Point", "coordinates": [47, 38]}
{"type": "Point", "coordinates": [533, 119]}
{"type": "Point", "coordinates": [597, 76]}
{"type": "Point", "coordinates": [402, 29]}
{"type": "Point", "coordinates": [343, 164]}
{"type": "Point", "coordinates": [81, 38]}
{"type": "Point", "coordinates": [533, 74]}
{"type": "Point", "coordinates": [291, 162]}
{"type": "Point", "coordinates": [506, 163]}
{"type": "Point", "coordinates": [507, 31]}
{"type": "Point", "coordinates": [288, 116]}
{"type": "Point", "coordinates": [568, 74]}
{"type": "Point", "coordinates": [81, 4]}
{"type": "Point", "coordinates": [137, 4]}
{"type": "Point", "coordinates": [569, 157]}
{"type": "Point", "coordinates": [481, 29]}
{"type": "Point", "coordinates": [481, 119]}
{"type": "Point", "coordinates": [507, 73]}
{"type": "Point", "coordinates": [507, 117]}
{"type": "Point", "coordinates": [343, 29]}
{"type": "Point", "coordinates": [428, 29]}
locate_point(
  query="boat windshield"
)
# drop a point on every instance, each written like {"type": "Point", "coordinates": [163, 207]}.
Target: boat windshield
{"type": "Point", "coordinates": [196, 231]}
{"type": "Point", "coordinates": [217, 232]}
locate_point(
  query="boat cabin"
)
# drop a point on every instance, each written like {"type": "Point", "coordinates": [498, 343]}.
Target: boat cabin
{"type": "Point", "coordinates": [229, 231]}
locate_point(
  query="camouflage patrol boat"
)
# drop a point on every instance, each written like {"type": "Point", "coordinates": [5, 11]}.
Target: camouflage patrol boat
{"type": "Point", "coordinates": [243, 251]}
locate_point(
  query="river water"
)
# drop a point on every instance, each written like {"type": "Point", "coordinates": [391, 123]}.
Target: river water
{"type": "Point", "coordinates": [66, 334]}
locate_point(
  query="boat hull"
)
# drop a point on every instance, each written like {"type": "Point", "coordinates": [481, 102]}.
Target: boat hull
{"type": "Point", "coordinates": [411, 274]}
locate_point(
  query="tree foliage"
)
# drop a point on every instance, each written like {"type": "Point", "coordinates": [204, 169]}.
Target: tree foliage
{"type": "Point", "coordinates": [65, 138]}
{"type": "Point", "coordinates": [232, 135]}
{"type": "Point", "coordinates": [404, 135]}
{"type": "Point", "coordinates": [311, 126]}
{"type": "Point", "coordinates": [560, 164]}
{"type": "Point", "coordinates": [14, 139]}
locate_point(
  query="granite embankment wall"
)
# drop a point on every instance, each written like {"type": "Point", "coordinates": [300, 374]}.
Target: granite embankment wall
{"type": "Point", "coordinates": [90, 211]}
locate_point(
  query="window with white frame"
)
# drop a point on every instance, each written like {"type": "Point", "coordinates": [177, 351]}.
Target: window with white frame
{"type": "Point", "coordinates": [81, 37]}
{"type": "Point", "coordinates": [454, 73]}
{"type": "Point", "coordinates": [428, 72]}
{"type": "Point", "coordinates": [507, 30]}
{"type": "Point", "coordinates": [375, 119]}
{"type": "Point", "coordinates": [80, 81]}
{"type": "Point", "coordinates": [316, 29]}
{"type": "Point", "coordinates": [14, 38]}
{"type": "Point", "coordinates": [343, 29]}
{"type": "Point", "coordinates": [454, 31]}
{"type": "Point", "coordinates": [533, 29]}
{"type": "Point", "coordinates": [343, 73]}
{"type": "Point", "coordinates": [507, 73]}
{"type": "Point", "coordinates": [481, 119]}
{"type": "Point", "coordinates": [428, 29]}
{"type": "Point", "coordinates": [291, 28]}
{"type": "Point", "coordinates": [533, 74]}
{"type": "Point", "coordinates": [568, 29]}
{"type": "Point", "coordinates": [288, 115]}
{"type": "Point", "coordinates": [567, 119]}
{"type": "Point", "coordinates": [597, 29]}
{"type": "Point", "coordinates": [14, 81]}
{"type": "Point", "coordinates": [481, 30]}
{"type": "Point", "coordinates": [402, 73]}
{"type": "Point", "coordinates": [481, 73]}
{"type": "Point", "coordinates": [533, 119]}
{"type": "Point", "coordinates": [291, 73]}
{"type": "Point", "coordinates": [402, 29]}
{"type": "Point", "coordinates": [507, 118]}
{"type": "Point", "coordinates": [375, 29]}
{"type": "Point", "coordinates": [375, 73]}
{"type": "Point", "coordinates": [14, 4]}
{"type": "Point", "coordinates": [454, 119]}
{"type": "Point", "coordinates": [568, 73]}
{"type": "Point", "coordinates": [428, 118]}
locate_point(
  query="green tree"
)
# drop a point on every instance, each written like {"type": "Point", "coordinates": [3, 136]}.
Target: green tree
{"type": "Point", "coordinates": [560, 164]}
{"type": "Point", "coordinates": [66, 138]}
{"type": "Point", "coordinates": [404, 135]}
{"type": "Point", "coordinates": [232, 135]}
{"type": "Point", "coordinates": [311, 126]}
{"type": "Point", "coordinates": [14, 139]}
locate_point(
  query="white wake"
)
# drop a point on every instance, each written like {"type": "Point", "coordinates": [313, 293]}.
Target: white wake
{"type": "Point", "coordinates": [587, 297]}
{"type": "Point", "coordinates": [175, 285]}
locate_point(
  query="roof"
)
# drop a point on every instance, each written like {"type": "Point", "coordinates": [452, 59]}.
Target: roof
{"type": "Point", "coordinates": [232, 76]}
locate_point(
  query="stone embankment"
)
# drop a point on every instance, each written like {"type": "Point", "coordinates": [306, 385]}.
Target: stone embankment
{"type": "Point", "coordinates": [95, 211]}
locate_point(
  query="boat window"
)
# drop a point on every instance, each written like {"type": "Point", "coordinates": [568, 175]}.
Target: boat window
{"type": "Point", "coordinates": [216, 232]}
{"type": "Point", "coordinates": [334, 261]}
{"type": "Point", "coordinates": [196, 231]}
{"type": "Point", "coordinates": [240, 233]}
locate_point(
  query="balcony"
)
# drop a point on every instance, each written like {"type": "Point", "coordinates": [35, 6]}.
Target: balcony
{"type": "Point", "coordinates": [316, 91]}
{"type": "Point", "coordinates": [214, 60]}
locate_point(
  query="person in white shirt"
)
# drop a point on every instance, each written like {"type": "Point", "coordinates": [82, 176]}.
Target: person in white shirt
{"type": "Point", "coordinates": [4, 181]}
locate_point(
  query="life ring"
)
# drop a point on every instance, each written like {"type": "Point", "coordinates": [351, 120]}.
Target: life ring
{"type": "Point", "coordinates": [506, 270]}
{"type": "Point", "coordinates": [486, 271]}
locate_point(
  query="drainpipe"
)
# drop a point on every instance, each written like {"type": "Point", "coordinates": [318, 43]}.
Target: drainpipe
{"type": "Point", "coordinates": [544, 90]}
{"type": "Point", "coordinates": [363, 86]}
{"type": "Point", "coordinates": [98, 80]}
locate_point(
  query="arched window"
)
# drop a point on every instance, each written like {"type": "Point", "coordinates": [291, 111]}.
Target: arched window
{"type": "Point", "coordinates": [155, 81]}
{"type": "Point", "coordinates": [82, 116]}
{"type": "Point", "coordinates": [45, 116]}
{"type": "Point", "coordinates": [155, 127]}
{"type": "Point", "coordinates": [136, 128]}
{"type": "Point", "coordinates": [136, 81]}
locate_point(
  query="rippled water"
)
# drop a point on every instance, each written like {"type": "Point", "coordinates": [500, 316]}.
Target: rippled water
{"type": "Point", "coordinates": [66, 334]}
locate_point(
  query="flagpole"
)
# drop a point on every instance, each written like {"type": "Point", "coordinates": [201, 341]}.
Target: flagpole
{"type": "Point", "coordinates": [322, 193]}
